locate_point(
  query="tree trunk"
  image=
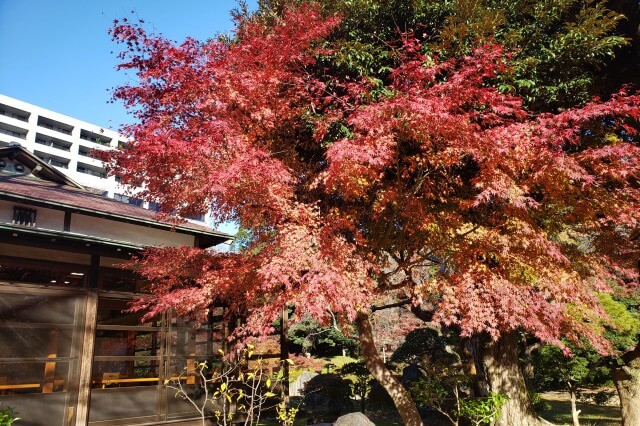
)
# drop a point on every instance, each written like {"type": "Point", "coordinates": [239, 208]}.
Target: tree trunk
{"type": "Point", "coordinates": [406, 407]}
{"type": "Point", "coordinates": [472, 365]}
{"type": "Point", "coordinates": [627, 381]}
{"type": "Point", "coordinates": [574, 411]}
{"type": "Point", "coordinates": [502, 367]}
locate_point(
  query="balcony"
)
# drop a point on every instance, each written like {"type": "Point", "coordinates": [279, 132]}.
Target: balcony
{"type": "Point", "coordinates": [54, 125]}
{"type": "Point", "coordinates": [85, 152]}
{"type": "Point", "coordinates": [95, 138]}
{"type": "Point", "coordinates": [16, 113]}
{"type": "Point", "coordinates": [88, 152]}
{"type": "Point", "coordinates": [92, 170]}
{"type": "Point", "coordinates": [16, 132]}
{"type": "Point", "coordinates": [53, 142]}
{"type": "Point", "coordinates": [52, 159]}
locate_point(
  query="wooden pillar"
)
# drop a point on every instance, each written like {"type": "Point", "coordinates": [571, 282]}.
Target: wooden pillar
{"type": "Point", "coordinates": [284, 352]}
{"type": "Point", "coordinates": [86, 359]}
{"type": "Point", "coordinates": [88, 344]}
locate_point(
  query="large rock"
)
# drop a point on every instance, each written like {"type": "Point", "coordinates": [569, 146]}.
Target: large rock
{"type": "Point", "coordinates": [296, 388]}
{"type": "Point", "coordinates": [354, 419]}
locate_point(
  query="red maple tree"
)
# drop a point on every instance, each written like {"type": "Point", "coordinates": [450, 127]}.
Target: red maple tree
{"type": "Point", "coordinates": [437, 184]}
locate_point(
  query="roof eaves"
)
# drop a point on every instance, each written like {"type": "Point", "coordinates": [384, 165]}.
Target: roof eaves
{"type": "Point", "coordinates": [119, 217]}
{"type": "Point", "coordinates": [38, 166]}
{"type": "Point", "coordinates": [71, 236]}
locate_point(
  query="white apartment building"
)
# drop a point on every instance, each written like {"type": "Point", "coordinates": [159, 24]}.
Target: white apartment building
{"type": "Point", "coordinates": [65, 143]}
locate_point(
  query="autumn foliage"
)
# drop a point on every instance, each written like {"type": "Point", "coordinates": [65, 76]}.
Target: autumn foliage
{"type": "Point", "coordinates": [432, 182]}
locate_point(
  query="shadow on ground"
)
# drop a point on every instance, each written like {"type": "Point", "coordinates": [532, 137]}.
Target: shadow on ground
{"type": "Point", "coordinates": [591, 414]}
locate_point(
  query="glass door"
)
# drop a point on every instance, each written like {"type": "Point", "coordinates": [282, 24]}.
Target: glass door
{"type": "Point", "coordinates": [39, 349]}
{"type": "Point", "coordinates": [126, 373]}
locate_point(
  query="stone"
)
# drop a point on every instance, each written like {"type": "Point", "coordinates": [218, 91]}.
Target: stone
{"type": "Point", "coordinates": [296, 388]}
{"type": "Point", "coordinates": [354, 419]}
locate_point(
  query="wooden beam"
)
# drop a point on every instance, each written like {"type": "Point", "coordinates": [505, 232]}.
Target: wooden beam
{"type": "Point", "coordinates": [86, 357]}
{"type": "Point", "coordinates": [67, 221]}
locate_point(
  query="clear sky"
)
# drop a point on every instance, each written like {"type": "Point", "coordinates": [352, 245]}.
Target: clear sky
{"type": "Point", "coordinates": [57, 54]}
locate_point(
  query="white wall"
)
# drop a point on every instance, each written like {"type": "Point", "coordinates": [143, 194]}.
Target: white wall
{"type": "Point", "coordinates": [45, 218]}
{"type": "Point", "coordinates": [136, 234]}
{"type": "Point", "coordinates": [53, 220]}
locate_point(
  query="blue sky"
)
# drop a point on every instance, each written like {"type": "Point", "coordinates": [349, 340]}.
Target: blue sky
{"type": "Point", "coordinates": [58, 55]}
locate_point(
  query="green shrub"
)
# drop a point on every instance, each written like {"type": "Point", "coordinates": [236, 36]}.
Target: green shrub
{"type": "Point", "coordinates": [7, 416]}
{"type": "Point", "coordinates": [482, 411]}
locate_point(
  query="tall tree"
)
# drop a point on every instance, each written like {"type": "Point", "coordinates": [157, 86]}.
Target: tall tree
{"type": "Point", "coordinates": [561, 51]}
{"type": "Point", "coordinates": [353, 188]}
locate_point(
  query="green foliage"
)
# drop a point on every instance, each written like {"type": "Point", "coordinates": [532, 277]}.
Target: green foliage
{"type": "Point", "coordinates": [360, 378]}
{"type": "Point", "coordinates": [442, 392]}
{"type": "Point", "coordinates": [554, 371]}
{"type": "Point", "coordinates": [7, 416]}
{"type": "Point", "coordinates": [423, 344]}
{"type": "Point", "coordinates": [625, 324]}
{"type": "Point", "coordinates": [286, 414]}
{"type": "Point", "coordinates": [355, 368]}
{"type": "Point", "coordinates": [585, 366]}
{"type": "Point", "coordinates": [242, 240]}
{"type": "Point", "coordinates": [433, 390]}
{"type": "Point", "coordinates": [482, 411]}
{"type": "Point", "coordinates": [307, 336]}
{"type": "Point", "coordinates": [559, 47]}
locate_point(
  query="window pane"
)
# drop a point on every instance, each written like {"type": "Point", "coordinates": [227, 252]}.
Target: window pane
{"type": "Point", "coordinates": [186, 340]}
{"type": "Point", "coordinates": [33, 377]}
{"type": "Point", "coordinates": [183, 374]}
{"type": "Point", "coordinates": [33, 341]}
{"type": "Point", "coordinates": [119, 374]}
{"type": "Point", "coordinates": [116, 313]}
{"type": "Point", "coordinates": [38, 354]}
{"type": "Point", "coordinates": [126, 343]}
{"type": "Point", "coordinates": [37, 308]}
{"type": "Point", "coordinates": [124, 403]}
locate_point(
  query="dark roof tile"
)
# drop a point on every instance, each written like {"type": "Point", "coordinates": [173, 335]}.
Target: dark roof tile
{"type": "Point", "coordinates": [48, 192]}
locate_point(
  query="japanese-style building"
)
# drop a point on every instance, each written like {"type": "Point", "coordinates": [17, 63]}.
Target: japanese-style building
{"type": "Point", "coordinates": [71, 353]}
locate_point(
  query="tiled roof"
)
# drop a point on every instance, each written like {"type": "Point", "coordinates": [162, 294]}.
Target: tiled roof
{"type": "Point", "coordinates": [55, 194]}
